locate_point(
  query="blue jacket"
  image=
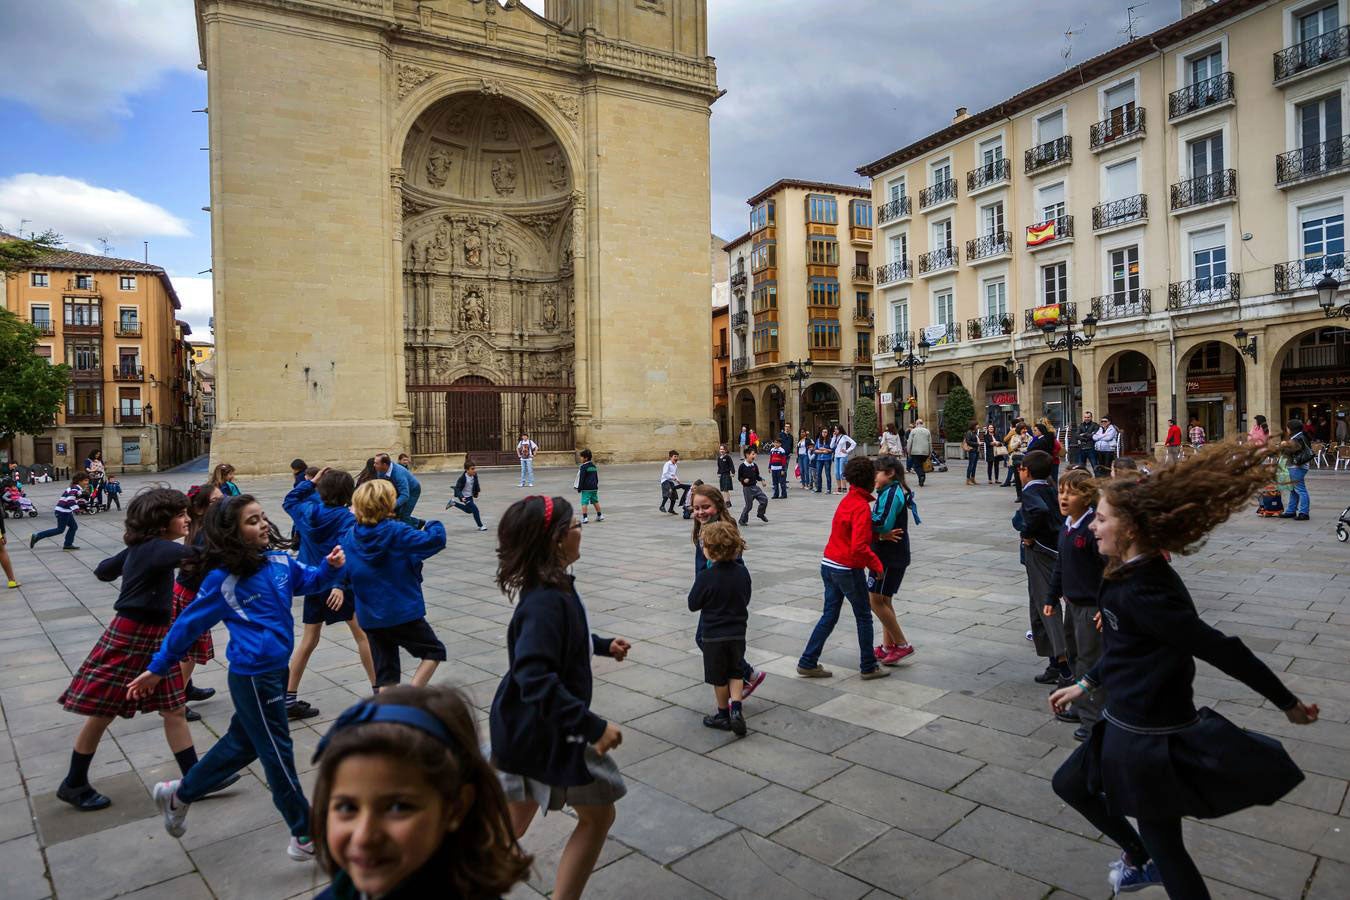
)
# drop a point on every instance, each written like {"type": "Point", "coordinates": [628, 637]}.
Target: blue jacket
{"type": "Point", "coordinates": [256, 611]}
{"type": "Point", "coordinates": [890, 512]}
{"type": "Point", "coordinates": [320, 527]}
{"type": "Point", "coordinates": [384, 568]}
{"type": "Point", "coordinates": [408, 487]}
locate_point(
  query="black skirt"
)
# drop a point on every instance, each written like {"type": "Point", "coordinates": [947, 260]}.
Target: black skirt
{"type": "Point", "coordinates": [1206, 769]}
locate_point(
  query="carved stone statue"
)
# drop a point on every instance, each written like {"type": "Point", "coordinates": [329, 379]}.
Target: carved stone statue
{"type": "Point", "coordinates": [502, 256]}
{"type": "Point", "coordinates": [549, 303]}
{"type": "Point", "coordinates": [439, 249]}
{"type": "Point", "coordinates": [473, 245]}
{"type": "Point", "coordinates": [557, 169]}
{"type": "Point", "coordinates": [474, 315]}
{"type": "Point", "coordinates": [438, 168]}
{"type": "Point", "coordinates": [504, 176]}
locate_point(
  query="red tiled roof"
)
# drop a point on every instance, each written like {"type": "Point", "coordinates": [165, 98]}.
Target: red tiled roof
{"type": "Point", "coordinates": [74, 260]}
{"type": "Point", "coordinates": [783, 183]}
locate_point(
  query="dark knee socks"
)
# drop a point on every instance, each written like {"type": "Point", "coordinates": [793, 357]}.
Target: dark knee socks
{"type": "Point", "coordinates": [78, 776]}
{"type": "Point", "coordinates": [186, 759]}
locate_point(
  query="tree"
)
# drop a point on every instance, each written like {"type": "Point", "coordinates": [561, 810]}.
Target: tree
{"type": "Point", "coordinates": [31, 389]}
{"type": "Point", "coordinates": [957, 413]}
{"type": "Point", "coordinates": [20, 253]}
{"type": "Point", "coordinates": [865, 421]}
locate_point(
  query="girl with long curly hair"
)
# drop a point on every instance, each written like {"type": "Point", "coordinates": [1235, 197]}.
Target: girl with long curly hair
{"type": "Point", "coordinates": [706, 505]}
{"type": "Point", "coordinates": [1154, 756]}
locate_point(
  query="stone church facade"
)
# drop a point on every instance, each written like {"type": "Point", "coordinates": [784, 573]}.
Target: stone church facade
{"type": "Point", "coordinates": [436, 224]}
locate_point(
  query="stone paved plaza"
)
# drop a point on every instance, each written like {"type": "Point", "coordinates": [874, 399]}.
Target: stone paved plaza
{"type": "Point", "coordinates": [932, 783]}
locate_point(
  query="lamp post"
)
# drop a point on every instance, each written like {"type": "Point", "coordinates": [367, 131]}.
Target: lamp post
{"type": "Point", "coordinates": [1067, 343]}
{"type": "Point", "coordinates": [910, 361]}
{"type": "Point", "coordinates": [1015, 368]}
{"type": "Point", "coordinates": [1246, 344]}
{"type": "Point", "coordinates": [799, 372]}
{"type": "Point", "coordinates": [1326, 297]}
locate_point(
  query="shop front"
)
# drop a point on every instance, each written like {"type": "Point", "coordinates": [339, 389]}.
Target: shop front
{"type": "Point", "coordinates": [1001, 411]}
{"type": "Point", "coordinates": [1315, 384]}
{"type": "Point", "coordinates": [1133, 408]}
{"type": "Point", "coordinates": [1212, 400]}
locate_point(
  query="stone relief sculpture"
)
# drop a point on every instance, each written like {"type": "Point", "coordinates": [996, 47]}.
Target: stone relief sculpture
{"type": "Point", "coordinates": [499, 130]}
{"type": "Point", "coordinates": [474, 314]}
{"type": "Point", "coordinates": [549, 309]}
{"type": "Point", "coordinates": [557, 169]}
{"type": "Point", "coordinates": [473, 245]}
{"type": "Point", "coordinates": [439, 250]}
{"type": "Point", "coordinates": [504, 176]}
{"type": "Point", "coordinates": [438, 168]}
{"type": "Point", "coordinates": [409, 77]}
{"type": "Point", "coordinates": [502, 255]}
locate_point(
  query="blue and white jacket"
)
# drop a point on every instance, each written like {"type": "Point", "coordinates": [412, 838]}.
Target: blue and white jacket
{"type": "Point", "coordinates": [256, 611]}
{"type": "Point", "coordinates": [71, 500]}
{"type": "Point", "coordinates": [320, 526]}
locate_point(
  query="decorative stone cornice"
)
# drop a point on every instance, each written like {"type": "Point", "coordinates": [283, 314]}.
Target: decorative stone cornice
{"type": "Point", "coordinates": [625, 60]}
{"type": "Point", "coordinates": [410, 77]}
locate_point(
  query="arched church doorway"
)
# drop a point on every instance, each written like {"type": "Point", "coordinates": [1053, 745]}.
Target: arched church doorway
{"type": "Point", "coordinates": [487, 280]}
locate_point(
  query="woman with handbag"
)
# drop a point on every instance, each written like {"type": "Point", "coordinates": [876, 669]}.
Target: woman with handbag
{"type": "Point", "coordinates": [993, 451]}
{"type": "Point", "coordinates": [970, 445]}
{"type": "Point", "coordinates": [1016, 441]}
{"type": "Point", "coordinates": [1298, 451]}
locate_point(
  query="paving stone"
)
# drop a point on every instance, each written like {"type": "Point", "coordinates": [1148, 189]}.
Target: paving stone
{"type": "Point", "coordinates": [684, 728]}
{"type": "Point", "coordinates": [976, 879]}
{"type": "Point", "coordinates": [662, 827]}
{"type": "Point", "coordinates": [1018, 793]}
{"type": "Point", "coordinates": [919, 810]}
{"type": "Point", "coordinates": [116, 860]}
{"type": "Point", "coordinates": [695, 779]}
{"type": "Point", "coordinates": [25, 876]}
{"type": "Point", "coordinates": [59, 822]}
{"type": "Point", "coordinates": [15, 819]}
{"type": "Point", "coordinates": [743, 866]}
{"type": "Point", "coordinates": [1331, 881]}
{"type": "Point", "coordinates": [545, 839]}
{"type": "Point", "coordinates": [768, 810]}
{"type": "Point", "coordinates": [1247, 862]}
{"type": "Point", "coordinates": [877, 714]}
{"type": "Point", "coordinates": [913, 762]}
{"type": "Point", "coordinates": [780, 762]}
{"type": "Point", "coordinates": [184, 887]}
{"type": "Point", "coordinates": [988, 744]}
{"type": "Point", "coordinates": [817, 732]}
{"type": "Point", "coordinates": [620, 881]}
{"type": "Point", "coordinates": [902, 863]}
{"type": "Point", "coordinates": [1034, 850]}
{"type": "Point", "coordinates": [829, 833]}
{"type": "Point", "coordinates": [268, 873]}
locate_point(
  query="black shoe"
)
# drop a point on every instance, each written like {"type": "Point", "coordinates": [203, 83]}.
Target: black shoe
{"type": "Point", "coordinates": [192, 715]}
{"type": "Point", "coordinates": [1082, 733]}
{"type": "Point", "coordinates": [223, 784]}
{"type": "Point", "coordinates": [85, 799]}
{"type": "Point", "coordinates": [763, 518]}
{"type": "Point", "coordinates": [196, 694]}
{"type": "Point", "coordinates": [742, 522]}
{"type": "Point", "coordinates": [737, 723]}
{"type": "Point", "coordinates": [1301, 517]}
{"type": "Point", "coordinates": [719, 720]}
{"type": "Point", "coordinates": [1049, 676]}
{"type": "Point", "coordinates": [301, 711]}
{"type": "Point", "coordinates": [1069, 716]}
{"type": "Point", "coordinates": [32, 542]}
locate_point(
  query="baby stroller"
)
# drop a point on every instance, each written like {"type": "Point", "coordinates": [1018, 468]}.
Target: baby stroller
{"type": "Point", "coordinates": [1269, 504]}
{"type": "Point", "coordinates": [16, 504]}
{"type": "Point", "coordinates": [1343, 526]}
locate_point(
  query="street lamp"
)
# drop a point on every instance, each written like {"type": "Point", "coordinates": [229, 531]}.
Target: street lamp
{"type": "Point", "coordinates": [1067, 343]}
{"type": "Point", "coordinates": [1326, 297]}
{"type": "Point", "coordinates": [915, 358]}
{"type": "Point", "coordinates": [1015, 368]}
{"type": "Point", "coordinates": [1246, 344]}
{"type": "Point", "coordinates": [800, 372]}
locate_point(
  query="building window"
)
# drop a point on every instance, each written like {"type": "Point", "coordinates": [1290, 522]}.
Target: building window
{"type": "Point", "coordinates": [822, 209]}
{"type": "Point", "coordinates": [991, 151]}
{"type": "Point", "coordinates": [1122, 180]}
{"type": "Point", "coordinates": [823, 292]}
{"type": "Point", "coordinates": [991, 218]}
{"type": "Point", "coordinates": [128, 319]}
{"type": "Point", "coordinates": [44, 351]}
{"type": "Point", "coordinates": [944, 308]}
{"type": "Point", "coordinates": [900, 317]}
{"type": "Point", "coordinates": [1119, 103]}
{"type": "Point", "coordinates": [84, 401]}
{"type": "Point", "coordinates": [1124, 265]}
{"type": "Point", "coordinates": [863, 343]}
{"type": "Point", "coordinates": [39, 279]}
{"type": "Point", "coordinates": [765, 256]}
{"type": "Point", "coordinates": [996, 298]}
{"type": "Point", "coordinates": [1050, 127]}
{"type": "Point", "coordinates": [860, 213]}
{"type": "Point", "coordinates": [1317, 22]}
{"type": "Point", "coordinates": [42, 316]}
{"type": "Point", "coordinates": [942, 235]}
{"type": "Point", "coordinates": [1209, 259]}
{"type": "Point", "coordinates": [1055, 283]}
{"type": "Point", "coordinates": [1207, 358]}
{"type": "Point", "coordinates": [764, 298]}
{"type": "Point", "coordinates": [899, 247]}
{"type": "Point", "coordinates": [1206, 155]}
{"type": "Point", "coordinates": [823, 335]}
{"type": "Point", "coordinates": [864, 301]}
{"type": "Point", "coordinates": [1323, 235]}
{"type": "Point", "coordinates": [941, 172]}
{"type": "Point", "coordinates": [84, 282]}
{"type": "Point", "coordinates": [824, 251]}
{"type": "Point", "coordinates": [1051, 201]}
{"type": "Point", "coordinates": [895, 189]}
{"type": "Point", "coordinates": [82, 356]}
{"type": "Point", "coordinates": [1319, 120]}
{"type": "Point", "coordinates": [128, 360]}
{"type": "Point", "coordinates": [126, 283]}
{"type": "Point", "coordinates": [129, 403]}
{"type": "Point", "coordinates": [762, 215]}
{"type": "Point", "coordinates": [83, 311]}
{"type": "Point", "coordinates": [1204, 66]}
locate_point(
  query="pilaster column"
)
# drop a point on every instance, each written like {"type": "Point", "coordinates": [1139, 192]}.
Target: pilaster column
{"type": "Point", "coordinates": [402, 412]}
{"type": "Point", "coordinates": [584, 309]}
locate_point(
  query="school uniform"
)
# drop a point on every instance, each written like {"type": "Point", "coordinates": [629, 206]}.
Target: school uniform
{"type": "Point", "coordinates": [747, 672]}
{"type": "Point", "coordinates": [891, 511]}
{"type": "Point", "coordinates": [588, 483]}
{"type": "Point", "coordinates": [671, 487]}
{"type": "Point", "coordinates": [139, 623]}
{"type": "Point", "coordinates": [466, 497]}
{"type": "Point", "coordinates": [721, 597]}
{"type": "Point", "coordinates": [726, 471]}
{"type": "Point", "coordinates": [408, 488]}
{"type": "Point", "coordinates": [1038, 519]}
{"type": "Point", "coordinates": [1077, 577]}
{"type": "Point", "coordinates": [778, 472]}
{"type": "Point", "coordinates": [541, 725]}
{"type": "Point", "coordinates": [751, 492]}
{"type": "Point", "coordinates": [256, 610]}
{"type": "Point", "coordinates": [384, 568]}
{"type": "Point", "coordinates": [429, 881]}
{"type": "Point", "coordinates": [320, 527]}
{"type": "Point", "coordinates": [185, 586]}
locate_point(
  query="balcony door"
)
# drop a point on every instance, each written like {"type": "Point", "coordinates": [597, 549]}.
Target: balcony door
{"type": "Point", "coordinates": [991, 153]}
{"type": "Point", "coordinates": [1206, 155]}
{"type": "Point", "coordinates": [1119, 104]}
{"type": "Point", "coordinates": [942, 235]}
{"type": "Point", "coordinates": [900, 319]}
{"type": "Point", "coordinates": [1209, 260]}
{"type": "Point", "coordinates": [895, 189]}
{"type": "Point", "coordinates": [1050, 200]}
{"type": "Point", "coordinates": [1318, 22]}
{"type": "Point", "coordinates": [1050, 128]}
{"type": "Point", "coordinates": [1124, 276]}
{"type": "Point", "coordinates": [898, 248]}
{"type": "Point", "coordinates": [944, 308]}
{"type": "Point", "coordinates": [991, 219]}
{"type": "Point", "coordinates": [1320, 132]}
{"type": "Point", "coordinates": [1205, 66]}
{"type": "Point", "coordinates": [996, 299]}
{"type": "Point", "coordinates": [1322, 232]}
{"type": "Point", "coordinates": [941, 173]}
{"type": "Point", "coordinates": [1055, 283]}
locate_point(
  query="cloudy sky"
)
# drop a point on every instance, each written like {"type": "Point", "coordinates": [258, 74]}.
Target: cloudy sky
{"type": "Point", "coordinates": [100, 142]}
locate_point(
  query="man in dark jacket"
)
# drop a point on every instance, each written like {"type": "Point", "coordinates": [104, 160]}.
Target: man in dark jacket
{"type": "Point", "coordinates": [1080, 442]}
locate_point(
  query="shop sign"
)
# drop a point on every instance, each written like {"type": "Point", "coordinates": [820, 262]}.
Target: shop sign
{"type": "Point", "coordinates": [1213, 385]}
{"type": "Point", "coordinates": [1128, 388]}
{"type": "Point", "coordinates": [1306, 382]}
{"type": "Point", "coordinates": [887, 398]}
{"type": "Point", "coordinates": [61, 448]}
{"type": "Point", "coordinates": [1004, 398]}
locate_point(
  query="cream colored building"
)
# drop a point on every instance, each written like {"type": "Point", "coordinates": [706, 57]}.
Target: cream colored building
{"type": "Point", "coordinates": [810, 291]}
{"type": "Point", "coordinates": [435, 225]}
{"type": "Point", "coordinates": [1187, 189]}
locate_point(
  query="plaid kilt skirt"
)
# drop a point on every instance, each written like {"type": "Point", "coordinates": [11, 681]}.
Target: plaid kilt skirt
{"type": "Point", "coordinates": [99, 688]}
{"type": "Point", "coordinates": [203, 649]}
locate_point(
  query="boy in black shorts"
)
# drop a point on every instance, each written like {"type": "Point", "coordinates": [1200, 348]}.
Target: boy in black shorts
{"type": "Point", "coordinates": [722, 592]}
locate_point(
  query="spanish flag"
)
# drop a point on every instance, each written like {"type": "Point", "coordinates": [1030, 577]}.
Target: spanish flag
{"type": "Point", "coordinates": [1039, 234]}
{"type": "Point", "coordinates": [1042, 316]}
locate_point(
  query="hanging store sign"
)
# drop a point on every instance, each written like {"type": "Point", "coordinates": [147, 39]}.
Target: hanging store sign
{"type": "Point", "coordinates": [1004, 398]}
{"type": "Point", "coordinates": [1335, 380]}
{"type": "Point", "coordinates": [1129, 389]}
{"type": "Point", "coordinates": [1213, 385]}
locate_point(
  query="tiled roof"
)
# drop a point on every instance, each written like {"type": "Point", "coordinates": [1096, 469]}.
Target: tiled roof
{"type": "Point", "coordinates": [92, 263]}
{"type": "Point", "coordinates": [784, 183]}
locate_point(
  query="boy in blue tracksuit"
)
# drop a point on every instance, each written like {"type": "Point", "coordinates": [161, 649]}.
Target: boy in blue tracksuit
{"type": "Point", "coordinates": [250, 590]}
{"type": "Point", "coordinates": [384, 568]}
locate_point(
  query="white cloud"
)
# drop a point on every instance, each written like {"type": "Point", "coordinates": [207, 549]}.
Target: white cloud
{"type": "Point", "coordinates": [78, 61]}
{"type": "Point", "coordinates": [194, 292]}
{"type": "Point", "coordinates": [82, 213]}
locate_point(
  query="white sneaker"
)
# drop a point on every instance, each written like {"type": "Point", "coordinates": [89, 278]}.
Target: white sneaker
{"type": "Point", "coordinates": [599, 518]}
{"type": "Point", "coordinates": [585, 520]}
{"type": "Point", "coordinates": [482, 528]}
{"type": "Point", "coordinates": [300, 851]}
{"type": "Point", "coordinates": [174, 810]}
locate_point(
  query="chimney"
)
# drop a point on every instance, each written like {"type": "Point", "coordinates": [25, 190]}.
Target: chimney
{"type": "Point", "coordinates": [1189, 7]}
{"type": "Point", "coordinates": [960, 114]}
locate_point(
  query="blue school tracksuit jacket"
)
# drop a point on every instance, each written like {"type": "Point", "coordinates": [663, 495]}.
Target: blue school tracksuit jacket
{"type": "Point", "coordinates": [384, 568]}
{"type": "Point", "coordinates": [320, 527]}
{"type": "Point", "coordinates": [256, 610]}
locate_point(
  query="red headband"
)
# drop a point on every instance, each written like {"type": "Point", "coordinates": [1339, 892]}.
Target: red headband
{"type": "Point", "coordinates": [548, 510]}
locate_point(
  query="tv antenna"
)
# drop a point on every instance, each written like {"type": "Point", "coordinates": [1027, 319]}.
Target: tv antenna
{"type": "Point", "coordinates": [1132, 19]}
{"type": "Point", "coordinates": [1067, 52]}
{"type": "Point", "coordinates": [107, 248]}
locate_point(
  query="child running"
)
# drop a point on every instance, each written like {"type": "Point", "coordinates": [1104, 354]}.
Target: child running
{"type": "Point", "coordinates": [588, 483]}
{"type": "Point", "coordinates": [384, 568]}
{"type": "Point", "coordinates": [751, 492]}
{"type": "Point", "coordinates": [1154, 756]}
{"type": "Point", "coordinates": [405, 805]}
{"type": "Point", "coordinates": [318, 507]}
{"type": "Point", "coordinates": [466, 494]}
{"type": "Point", "coordinates": [1077, 579]}
{"type": "Point", "coordinates": [721, 597]}
{"type": "Point", "coordinates": [548, 745]}
{"type": "Point", "coordinates": [71, 501]}
{"type": "Point", "coordinates": [250, 589]}
{"type": "Point", "coordinates": [156, 521]}
{"type": "Point", "coordinates": [705, 507]}
{"type": "Point", "coordinates": [200, 498]}
{"type": "Point", "coordinates": [890, 542]}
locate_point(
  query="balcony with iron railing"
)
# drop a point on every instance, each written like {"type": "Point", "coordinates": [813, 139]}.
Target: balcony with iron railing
{"type": "Point", "coordinates": [82, 285]}
{"type": "Point", "coordinates": [1115, 213]}
{"type": "Point", "coordinates": [862, 315]}
{"type": "Point", "coordinates": [950, 334]}
{"type": "Point", "coordinates": [1317, 52]}
{"type": "Point", "coordinates": [721, 351]}
{"type": "Point", "coordinates": [1194, 98]}
{"type": "Point", "coordinates": [1314, 161]}
{"type": "Point", "coordinates": [123, 417]}
{"type": "Point", "coordinates": [991, 246]}
{"type": "Point", "coordinates": [938, 194]}
{"type": "Point", "coordinates": [84, 418]}
{"type": "Point", "coordinates": [740, 319]}
{"type": "Point", "coordinates": [1202, 292]}
{"type": "Point", "coordinates": [1037, 236]}
{"type": "Point", "coordinates": [740, 364]}
{"type": "Point", "coordinates": [938, 260]}
{"type": "Point", "coordinates": [900, 342]}
{"type": "Point", "coordinates": [862, 355]}
{"type": "Point", "coordinates": [720, 390]}
{"type": "Point", "coordinates": [127, 329]}
{"type": "Point", "coordinates": [862, 273]}
{"type": "Point", "coordinates": [1303, 274]}
{"type": "Point", "coordinates": [1123, 304]}
{"type": "Point", "coordinates": [899, 270]}
{"type": "Point", "coordinates": [989, 326]}
{"type": "Point", "coordinates": [1118, 129]}
{"type": "Point", "coordinates": [128, 373]}
{"type": "Point", "coordinates": [1068, 314]}
{"type": "Point", "coordinates": [989, 175]}
{"type": "Point", "coordinates": [738, 280]}
{"type": "Point", "coordinates": [75, 324]}
{"type": "Point", "coordinates": [893, 210]}
{"type": "Point", "coordinates": [1048, 155]}
{"type": "Point", "coordinates": [1203, 190]}
{"type": "Point", "coordinates": [45, 327]}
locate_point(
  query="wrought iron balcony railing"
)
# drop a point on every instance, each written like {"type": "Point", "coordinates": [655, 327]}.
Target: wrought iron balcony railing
{"type": "Point", "coordinates": [862, 355]}
{"type": "Point", "coordinates": [127, 418]}
{"type": "Point", "coordinates": [989, 326]}
{"type": "Point", "coordinates": [892, 210]}
{"type": "Point", "coordinates": [738, 280]}
{"type": "Point", "coordinates": [45, 327]}
{"type": "Point", "coordinates": [1068, 314]}
{"type": "Point", "coordinates": [937, 193]}
{"type": "Point", "coordinates": [899, 342]}
{"type": "Point", "coordinates": [82, 284]}
{"type": "Point", "coordinates": [894, 271]}
{"type": "Point", "coordinates": [935, 260]}
{"type": "Point", "coordinates": [950, 334]}
{"type": "Point", "coordinates": [1312, 161]}
{"type": "Point", "coordinates": [721, 351]}
{"type": "Point", "coordinates": [1051, 153]}
{"type": "Point", "coordinates": [1063, 230]}
{"type": "Point", "coordinates": [740, 319]}
{"type": "Point", "coordinates": [1314, 52]}
{"type": "Point", "coordinates": [1205, 189]}
{"type": "Point", "coordinates": [128, 373]}
{"type": "Point", "coordinates": [1303, 274]}
{"type": "Point", "coordinates": [862, 273]}
{"type": "Point", "coordinates": [127, 329]}
{"type": "Point", "coordinates": [720, 390]}
{"type": "Point", "coordinates": [995, 244]}
{"type": "Point", "coordinates": [1126, 125]}
{"type": "Point", "coordinates": [1209, 291]}
{"type": "Point", "coordinates": [863, 316]}
{"type": "Point", "coordinates": [1119, 212]}
{"type": "Point", "coordinates": [996, 172]}
{"type": "Point", "coordinates": [1202, 94]}
{"type": "Point", "coordinates": [1123, 304]}
{"type": "Point", "coordinates": [740, 364]}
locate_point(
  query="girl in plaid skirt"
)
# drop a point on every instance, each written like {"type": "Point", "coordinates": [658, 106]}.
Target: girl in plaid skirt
{"type": "Point", "coordinates": [200, 499]}
{"type": "Point", "coordinates": [156, 520]}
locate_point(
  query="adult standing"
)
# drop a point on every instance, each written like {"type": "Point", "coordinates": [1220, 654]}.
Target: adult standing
{"type": "Point", "coordinates": [824, 453]}
{"type": "Point", "coordinates": [1299, 453]}
{"type": "Point", "coordinates": [744, 440]}
{"type": "Point", "coordinates": [1044, 440]}
{"type": "Point", "coordinates": [408, 488]}
{"type": "Point", "coordinates": [1260, 431]}
{"type": "Point", "coordinates": [805, 460]}
{"type": "Point", "coordinates": [920, 447]}
{"type": "Point", "coordinates": [843, 446]}
{"type": "Point", "coordinates": [1172, 443]}
{"type": "Point", "coordinates": [97, 476]}
{"type": "Point", "coordinates": [1017, 442]}
{"type": "Point", "coordinates": [890, 444]}
{"type": "Point", "coordinates": [1342, 430]}
{"type": "Point", "coordinates": [970, 445]}
{"type": "Point", "coordinates": [785, 436]}
{"type": "Point", "coordinates": [525, 450]}
{"type": "Point", "coordinates": [1106, 442]}
{"type": "Point", "coordinates": [1197, 433]}
{"type": "Point", "coordinates": [1087, 455]}
{"type": "Point", "coordinates": [993, 451]}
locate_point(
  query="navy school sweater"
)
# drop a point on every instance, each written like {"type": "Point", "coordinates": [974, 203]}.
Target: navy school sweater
{"type": "Point", "coordinates": [146, 570]}
{"type": "Point", "coordinates": [1078, 569]}
{"type": "Point", "coordinates": [749, 474]}
{"type": "Point", "coordinates": [721, 595]}
{"type": "Point", "coordinates": [320, 526]}
{"type": "Point", "coordinates": [1039, 515]}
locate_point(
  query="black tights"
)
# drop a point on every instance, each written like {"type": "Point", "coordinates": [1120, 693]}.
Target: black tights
{"type": "Point", "coordinates": [1157, 839]}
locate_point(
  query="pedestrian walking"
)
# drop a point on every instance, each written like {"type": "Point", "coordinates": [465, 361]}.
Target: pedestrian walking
{"type": "Point", "coordinates": [1298, 454]}
{"type": "Point", "coordinates": [526, 450]}
{"type": "Point", "coordinates": [726, 472]}
{"type": "Point", "coordinates": [1260, 431]}
{"type": "Point", "coordinates": [970, 446]}
{"type": "Point", "coordinates": [920, 448]}
{"type": "Point", "coordinates": [70, 502]}
{"type": "Point", "coordinates": [1172, 443]}
{"type": "Point", "coordinates": [890, 542]}
{"type": "Point", "coordinates": [1074, 585]}
{"type": "Point", "coordinates": [889, 443]}
{"type": "Point", "coordinates": [1197, 434]}
{"type": "Point", "coordinates": [743, 440]}
{"type": "Point", "coordinates": [588, 484]}
{"type": "Point", "coordinates": [751, 492]}
{"type": "Point", "coordinates": [1037, 525]}
{"type": "Point", "coordinates": [721, 597]}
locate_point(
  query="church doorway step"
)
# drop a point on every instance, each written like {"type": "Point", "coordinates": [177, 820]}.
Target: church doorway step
{"type": "Point", "coordinates": [484, 421]}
